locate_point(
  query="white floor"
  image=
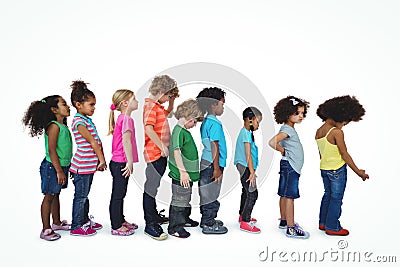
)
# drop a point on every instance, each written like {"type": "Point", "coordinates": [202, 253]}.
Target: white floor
{"type": "Point", "coordinates": [311, 49]}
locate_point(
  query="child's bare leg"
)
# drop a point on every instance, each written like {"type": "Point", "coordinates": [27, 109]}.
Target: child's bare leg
{"type": "Point", "coordinates": [45, 210]}
{"type": "Point", "coordinates": [289, 211]}
{"type": "Point", "coordinates": [282, 208]}
{"type": "Point", "coordinates": [55, 209]}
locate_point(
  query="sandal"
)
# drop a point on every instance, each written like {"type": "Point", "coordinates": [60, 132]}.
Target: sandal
{"type": "Point", "coordinates": [49, 235]}
{"type": "Point", "coordinates": [133, 226]}
{"type": "Point", "coordinates": [63, 226]}
{"type": "Point", "coordinates": [122, 231]}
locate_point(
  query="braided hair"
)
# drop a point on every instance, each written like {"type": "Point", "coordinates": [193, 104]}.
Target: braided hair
{"type": "Point", "coordinates": [250, 113]}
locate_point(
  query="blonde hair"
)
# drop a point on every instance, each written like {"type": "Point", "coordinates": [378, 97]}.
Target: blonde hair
{"type": "Point", "coordinates": [162, 84]}
{"type": "Point", "coordinates": [117, 98]}
{"type": "Point", "coordinates": [189, 109]}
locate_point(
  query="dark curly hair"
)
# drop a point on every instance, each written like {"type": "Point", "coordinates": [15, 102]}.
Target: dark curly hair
{"type": "Point", "coordinates": [80, 93]}
{"type": "Point", "coordinates": [39, 114]}
{"type": "Point", "coordinates": [208, 97]}
{"type": "Point", "coordinates": [341, 109]}
{"type": "Point", "coordinates": [289, 106]}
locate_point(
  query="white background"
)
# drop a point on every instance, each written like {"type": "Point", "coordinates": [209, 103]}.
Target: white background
{"type": "Point", "coordinates": [312, 49]}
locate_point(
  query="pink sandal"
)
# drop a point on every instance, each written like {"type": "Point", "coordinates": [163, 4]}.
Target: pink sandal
{"type": "Point", "coordinates": [121, 232]}
{"type": "Point", "coordinates": [63, 226]}
{"type": "Point", "coordinates": [49, 235]}
{"type": "Point", "coordinates": [133, 226]}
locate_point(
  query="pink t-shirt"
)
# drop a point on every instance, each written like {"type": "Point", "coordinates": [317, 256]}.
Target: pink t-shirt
{"type": "Point", "coordinates": [124, 123]}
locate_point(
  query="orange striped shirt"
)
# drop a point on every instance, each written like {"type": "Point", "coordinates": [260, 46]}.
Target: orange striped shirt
{"type": "Point", "coordinates": [155, 114]}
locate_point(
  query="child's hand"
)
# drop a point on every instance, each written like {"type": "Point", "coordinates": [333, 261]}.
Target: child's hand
{"type": "Point", "coordinates": [363, 175]}
{"type": "Point", "coordinates": [127, 170]}
{"type": "Point", "coordinates": [217, 175]}
{"type": "Point", "coordinates": [164, 151]}
{"type": "Point", "coordinates": [62, 179]}
{"type": "Point", "coordinates": [185, 179]}
{"type": "Point", "coordinates": [102, 166]}
{"type": "Point", "coordinates": [252, 179]}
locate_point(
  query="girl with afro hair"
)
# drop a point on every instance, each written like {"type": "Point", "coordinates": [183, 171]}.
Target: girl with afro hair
{"type": "Point", "coordinates": [335, 113]}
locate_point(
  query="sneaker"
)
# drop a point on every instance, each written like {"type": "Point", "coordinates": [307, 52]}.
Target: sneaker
{"type": "Point", "coordinates": [191, 223]}
{"type": "Point", "coordinates": [283, 224]}
{"type": "Point", "coordinates": [321, 227]}
{"type": "Point", "coordinates": [341, 232]}
{"type": "Point", "coordinates": [181, 233]}
{"type": "Point", "coordinates": [162, 218]}
{"type": "Point", "coordinates": [155, 231]}
{"type": "Point", "coordinates": [49, 235]}
{"type": "Point", "coordinates": [85, 230]}
{"type": "Point", "coordinates": [249, 227]}
{"type": "Point", "coordinates": [63, 226]}
{"type": "Point", "coordinates": [220, 223]}
{"type": "Point", "coordinates": [216, 228]}
{"type": "Point", "coordinates": [133, 226]}
{"type": "Point", "coordinates": [94, 225]}
{"type": "Point", "coordinates": [253, 220]}
{"type": "Point", "coordinates": [122, 231]}
{"type": "Point", "coordinates": [296, 232]}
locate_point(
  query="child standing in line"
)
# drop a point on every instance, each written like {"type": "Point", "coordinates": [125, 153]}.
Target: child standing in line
{"type": "Point", "coordinates": [88, 158]}
{"type": "Point", "coordinates": [156, 141]}
{"type": "Point", "coordinates": [49, 116]}
{"type": "Point", "coordinates": [246, 161]}
{"type": "Point", "coordinates": [124, 154]}
{"type": "Point", "coordinates": [184, 168]}
{"type": "Point", "coordinates": [289, 111]}
{"type": "Point", "coordinates": [335, 113]}
{"type": "Point", "coordinates": [213, 159]}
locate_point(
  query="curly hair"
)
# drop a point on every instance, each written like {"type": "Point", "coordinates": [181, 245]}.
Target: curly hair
{"type": "Point", "coordinates": [39, 114]}
{"type": "Point", "coordinates": [288, 106]}
{"type": "Point", "coordinates": [208, 97]}
{"type": "Point", "coordinates": [341, 109]}
{"type": "Point", "coordinates": [189, 109]}
{"type": "Point", "coordinates": [80, 93]}
{"type": "Point", "coordinates": [163, 84]}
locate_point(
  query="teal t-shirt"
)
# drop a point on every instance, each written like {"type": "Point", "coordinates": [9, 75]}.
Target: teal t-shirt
{"type": "Point", "coordinates": [182, 139]}
{"type": "Point", "coordinates": [64, 145]}
{"type": "Point", "coordinates": [240, 151]}
{"type": "Point", "coordinates": [211, 130]}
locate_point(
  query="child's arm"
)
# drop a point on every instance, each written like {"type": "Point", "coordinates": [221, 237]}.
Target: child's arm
{"type": "Point", "coordinates": [171, 104]}
{"type": "Point", "coordinates": [127, 144]}
{"type": "Point", "coordinates": [52, 132]}
{"type": "Point", "coordinates": [274, 142]}
{"type": "Point", "coordinates": [339, 139]}
{"type": "Point", "coordinates": [86, 134]}
{"type": "Point", "coordinates": [217, 175]}
{"type": "Point", "coordinates": [252, 177]}
{"type": "Point", "coordinates": [149, 129]}
{"type": "Point", "coordinates": [185, 179]}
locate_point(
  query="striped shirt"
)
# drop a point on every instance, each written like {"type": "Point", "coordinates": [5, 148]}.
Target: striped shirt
{"type": "Point", "coordinates": [154, 114]}
{"type": "Point", "coordinates": [85, 160]}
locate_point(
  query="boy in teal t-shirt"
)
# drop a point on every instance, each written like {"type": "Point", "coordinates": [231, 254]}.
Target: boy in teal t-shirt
{"type": "Point", "coordinates": [184, 168]}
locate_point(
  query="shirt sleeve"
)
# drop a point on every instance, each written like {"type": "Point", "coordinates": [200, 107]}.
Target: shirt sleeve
{"type": "Point", "coordinates": [287, 130]}
{"type": "Point", "coordinates": [127, 125]}
{"type": "Point", "coordinates": [244, 137]}
{"type": "Point", "coordinates": [215, 132]}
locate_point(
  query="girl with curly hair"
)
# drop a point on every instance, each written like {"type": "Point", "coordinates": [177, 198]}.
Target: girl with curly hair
{"type": "Point", "coordinates": [335, 113]}
{"type": "Point", "coordinates": [289, 111]}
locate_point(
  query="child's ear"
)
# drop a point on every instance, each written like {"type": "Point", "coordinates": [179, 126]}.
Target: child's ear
{"type": "Point", "coordinates": [53, 109]}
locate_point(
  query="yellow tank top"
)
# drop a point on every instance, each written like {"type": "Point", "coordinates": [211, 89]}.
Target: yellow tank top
{"type": "Point", "coordinates": [330, 155]}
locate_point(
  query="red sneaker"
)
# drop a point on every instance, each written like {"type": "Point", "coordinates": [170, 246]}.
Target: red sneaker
{"type": "Point", "coordinates": [321, 227]}
{"type": "Point", "coordinates": [249, 227]}
{"type": "Point", "coordinates": [341, 232]}
{"type": "Point", "coordinates": [253, 220]}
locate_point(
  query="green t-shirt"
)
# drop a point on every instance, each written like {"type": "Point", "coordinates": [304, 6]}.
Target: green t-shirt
{"type": "Point", "coordinates": [183, 140]}
{"type": "Point", "coordinates": [64, 145]}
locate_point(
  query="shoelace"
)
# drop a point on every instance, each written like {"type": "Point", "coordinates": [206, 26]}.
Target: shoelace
{"type": "Point", "coordinates": [91, 222]}
{"type": "Point", "coordinates": [86, 226]}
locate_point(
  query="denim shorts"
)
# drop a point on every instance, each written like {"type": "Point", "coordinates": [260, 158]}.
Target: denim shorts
{"type": "Point", "coordinates": [48, 174]}
{"type": "Point", "coordinates": [288, 181]}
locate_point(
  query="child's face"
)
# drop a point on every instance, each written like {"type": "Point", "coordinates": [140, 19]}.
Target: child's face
{"type": "Point", "coordinates": [133, 104]}
{"type": "Point", "coordinates": [62, 109]}
{"type": "Point", "coordinates": [219, 108]}
{"type": "Point", "coordinates": [190, 123]}
{"type": "Point", "coordinates": [256, 122]}
{"type": "Point", "coordinates": [86, 108]}
{"type": "Point", "coordinates": [298, 116]}
{"type": "Point", "coordinates": [164, 98]}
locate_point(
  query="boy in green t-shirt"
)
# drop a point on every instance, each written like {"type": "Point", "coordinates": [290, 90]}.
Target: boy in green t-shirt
{"type": "Point", "coordinates": [184, 168]}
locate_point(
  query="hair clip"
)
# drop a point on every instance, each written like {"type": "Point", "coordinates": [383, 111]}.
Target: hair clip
{"type": "Point", "coordinates": [113, 107]}
{"type": "Point", "coordinates": [43, 101]}
{"type": "Point", "coordinates": [294, 101]}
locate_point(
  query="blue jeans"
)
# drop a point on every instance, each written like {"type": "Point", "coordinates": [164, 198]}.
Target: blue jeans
{"type": "Point", "coordinates": [49, 177]}
{"type": "Point", "coordinates": [288, 181]}
{"type": "Point", "coordinates": [209, 191]}
{"type": "Point", "coordinates": [80, 204]}
{"type": "Point", "coordinates": [331, 204]}
{"type": "Point", "coordinates": [119, 188]}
